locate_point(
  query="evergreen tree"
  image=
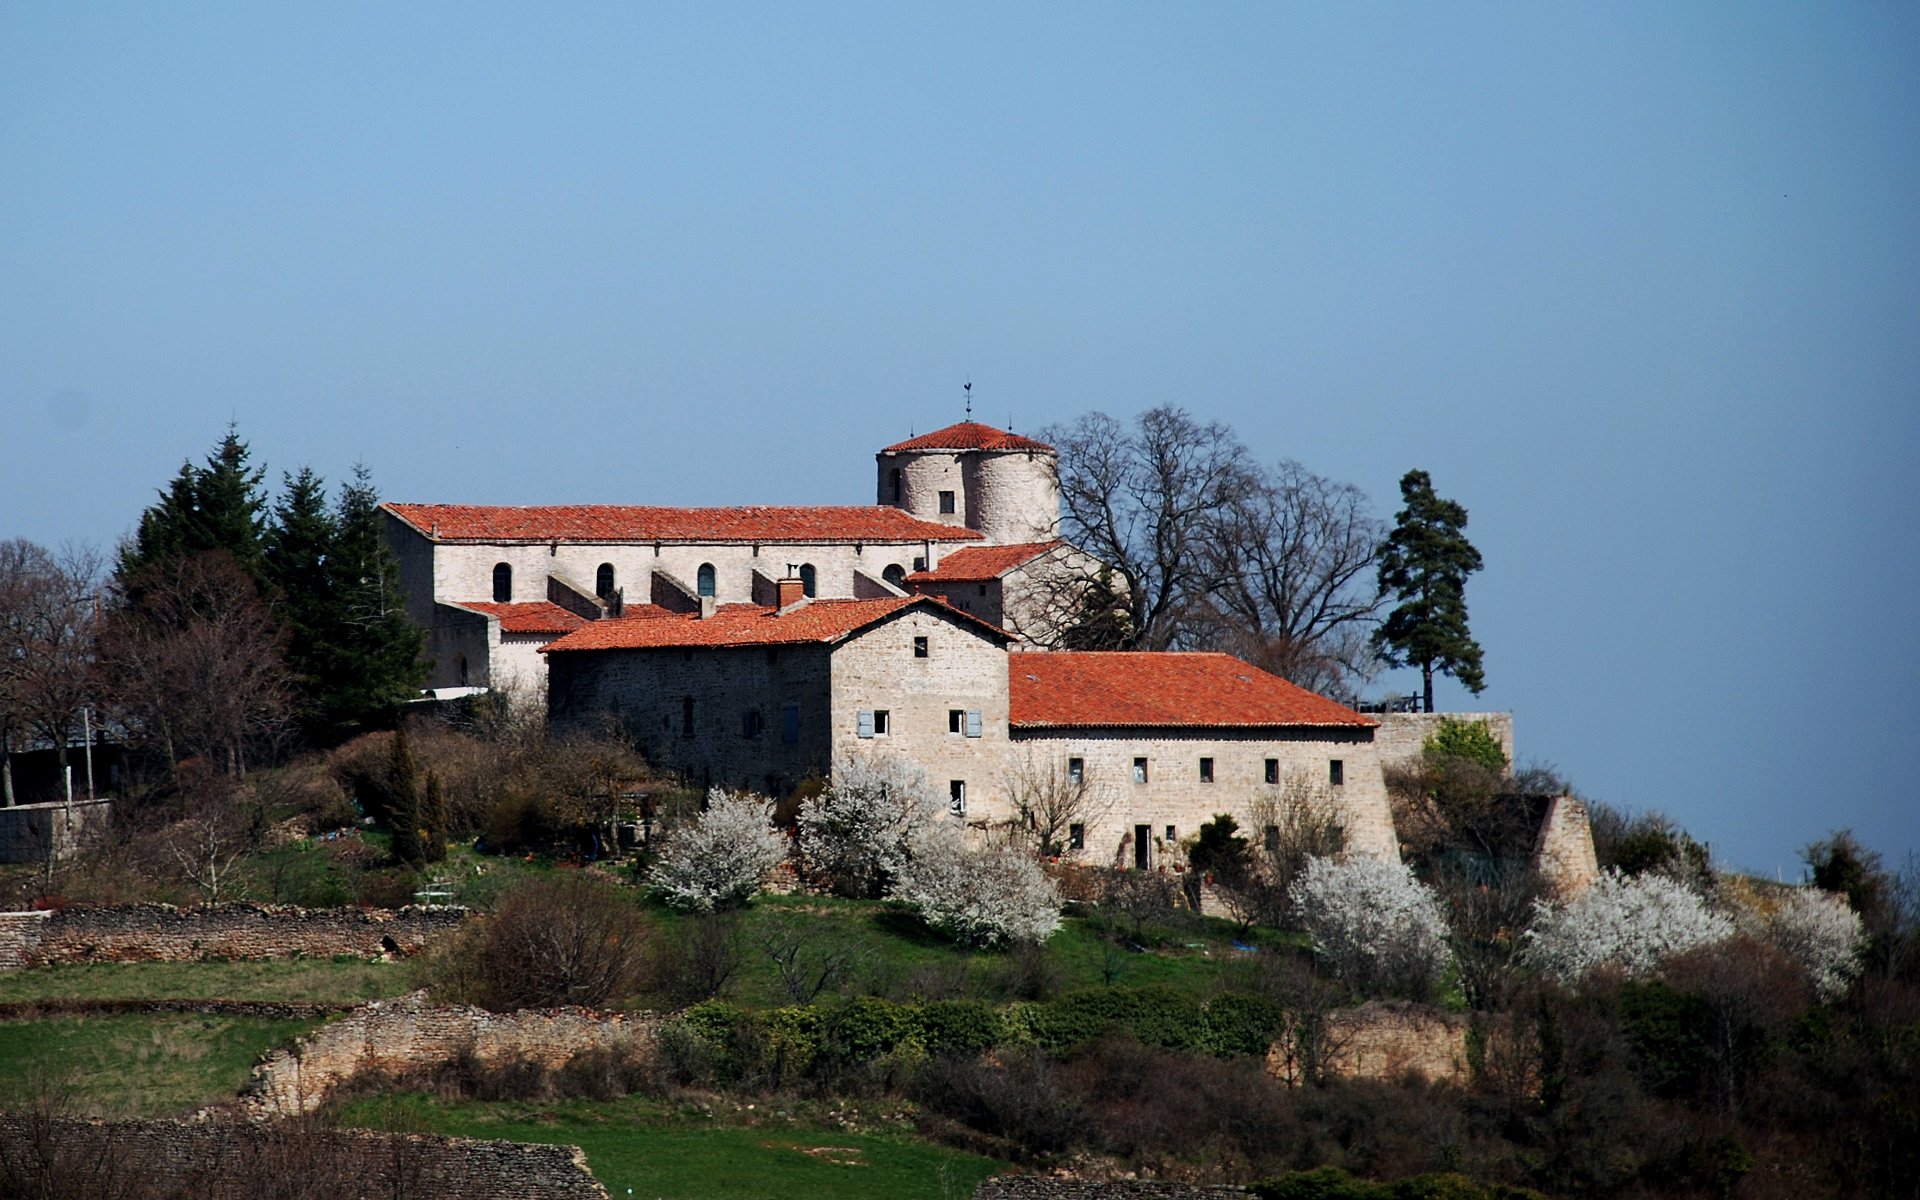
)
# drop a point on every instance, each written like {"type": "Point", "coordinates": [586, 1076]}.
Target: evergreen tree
{"type": "Point", "coordinates": [1424, 564]}
{"type": "Point", "coordinates": [299, 549]}
{"type": "Point", "coordinates": [216, 507]}
{"type": "Point", "coordinates": [403, 799]}
{"type": "Point", "coordinates": [374, 649]}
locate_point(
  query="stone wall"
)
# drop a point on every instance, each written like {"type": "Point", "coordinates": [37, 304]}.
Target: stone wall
{"type": "Point", "coordinates": [223, 1161]}
{"type": "Point", "coordinates": [1563, 853]}
{"type": "Point", "coordinates": [1389, 1039]}
{"type": "Point", "coordinates": [160, 932]}
{"type": "Point", "coordinates": [26, 829]}
{"type": "Point", "coordinates": [1044, 1187]}
{"type": "Point", "coordinates": [404, 1035]}
{"type": "Point", "coordinates": [1399, 738]}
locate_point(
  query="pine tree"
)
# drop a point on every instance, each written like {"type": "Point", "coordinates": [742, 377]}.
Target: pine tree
{"type": "Point", "coordinates": [403, 799]}
{"type": "Point", "coordinates": [1424, 564]}
{"type": "Point", "coordinates": [216, 507]}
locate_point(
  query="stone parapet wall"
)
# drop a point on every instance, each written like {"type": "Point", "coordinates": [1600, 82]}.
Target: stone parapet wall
{"type": "Point", "coordinates": [1400, 736]}
{"type": "Point", "coordinates": [214, 1160]}
{"type": "Point", "coordinates": [400, 1036]}
{"type": "Point", "coordinates": [163, 933]}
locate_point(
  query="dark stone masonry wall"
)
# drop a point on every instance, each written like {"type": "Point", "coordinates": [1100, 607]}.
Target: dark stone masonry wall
{"type": "Point", "coordinates": [226, 1161]}
{"type": "Point", "coordinates": [163, 933]}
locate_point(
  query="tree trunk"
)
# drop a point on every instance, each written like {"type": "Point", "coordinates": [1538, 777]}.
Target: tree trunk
{"type": "Point", "coordinates": [6, 775]}
{"type": "Point", "coordinates": [1426, 676]}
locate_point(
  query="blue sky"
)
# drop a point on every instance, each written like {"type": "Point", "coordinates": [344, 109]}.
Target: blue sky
{"type": "Point", "coordinates": [1639, 284]}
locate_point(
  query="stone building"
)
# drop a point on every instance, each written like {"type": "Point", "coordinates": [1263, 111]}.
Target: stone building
{"type": "Point", "coordinates": [760, 697]}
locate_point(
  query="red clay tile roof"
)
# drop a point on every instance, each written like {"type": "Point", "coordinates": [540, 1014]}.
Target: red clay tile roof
{"type": "Point", "coordinates": [538, 616]}
{"type": "Point", "coordinates": [969, 435]}
{"type": "Point", "coordinates": [972, 564]}
{"type": "Point", "coordinates": [647, 628]}
{"type": "Point", "coordinates": [1159, 689]}
{"type": "Point", "coordinates": [649, 523]}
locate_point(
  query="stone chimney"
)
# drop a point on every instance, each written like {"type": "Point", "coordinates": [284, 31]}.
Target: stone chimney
{"type": "Point", "coordinates": [707, 606]}
{"type": "Point", "coordinates": [789, 592]}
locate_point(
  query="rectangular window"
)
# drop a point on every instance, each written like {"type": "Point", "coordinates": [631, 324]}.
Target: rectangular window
{"type": "Point", "coordinates": [790, 724]}
{"type": "Point", "coordinates": [956, 720]}
{"type": "Point", "coordinates": [946, 502]}
{"type": "Point", "coordinates": [1336, 772]}
{"type": "Point", "coordinates": [1172, 836]}
{"type": "Point", "coordinates": [983, 589]}
{"type": "Point", "coordinates": [1271, 838]}
{"type": "Point", "coordinates": [919, 647]}
{"type": "Point", "coordinates": [975, 726]}
{"type": "Point", "coordinates": [686, 716]}
{"type": "Point", "coordinates": [1273, 770]}
{"type": "Point", "coordinates": [750, 724]}
{"type": "Point", "coordinates": [865, 719]}
{"type": "Point", "coordinates": [1139, 770]}
{"type": "Point", "coordinates": [957, 797]}
{"type": "Point", "coordinates": [1206, 770]}
{"type": "Point", "coordinates": [1076, 770]}
{"type": "Point", "coordinates": [882, 722]}
{"type": "Point", "coordinates": [1076, 837]}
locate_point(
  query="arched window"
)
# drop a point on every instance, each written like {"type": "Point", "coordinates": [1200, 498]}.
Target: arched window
{"type": "Point", "coordinates": [603, 581]}
{"type": "Point", "coordinates": [705, 580]}
{"type": "Point", "coordinates": [896, 575]}
{"type": "Point", "coordinates": [502, 583]}
{"type": "Point", "coordinates": [807, 579]}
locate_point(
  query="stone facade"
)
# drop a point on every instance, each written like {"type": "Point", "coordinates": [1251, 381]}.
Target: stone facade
{"type": "Point", "coordinates": [1389, 1040]}
{"type": "Point", "coordinates": [162, 933]}
{"type": "Point", "coordinates": [1563, 853]}
{"type": "Point", "coordinates": [220, 1160]}
{"type": "Point", "coordinates": [1175, 796]}
{"type": "Point", "coordinates": [395, 1037]}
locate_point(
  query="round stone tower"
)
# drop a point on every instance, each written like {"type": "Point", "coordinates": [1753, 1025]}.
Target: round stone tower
{"type": "Point", "coordinates": [1003, 485]}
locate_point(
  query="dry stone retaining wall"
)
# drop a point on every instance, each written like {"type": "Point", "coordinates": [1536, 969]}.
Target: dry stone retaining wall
{"type": "Point", "coordinates": [1385, 1040]}
{"type": "Point", "coordinates": [224, 1161]}
{"type": "Point", "coordinates": [163, 933]}
{"type": "Point", "coordinates": [1041, 1187]}
{"type": "Point", "coordinates": [399, 1036]}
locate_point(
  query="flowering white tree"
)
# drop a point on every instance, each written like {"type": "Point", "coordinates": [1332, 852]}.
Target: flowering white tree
{"type": "Point", "coordinates": [1633, 921]}
{"type": "Point", "coordinates": [1373, 922]}
{"type": "Point", "coordinates": [1824, 933]}
{"type": "Point", "coordinates": [981, 897]}
{"type": "Point", "coordinates": [857, 834]}
{"type": "Point", "coordinates": [722, 857]}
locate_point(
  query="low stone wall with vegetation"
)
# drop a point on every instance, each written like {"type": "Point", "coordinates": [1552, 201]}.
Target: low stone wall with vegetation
{"type": "Point", "coordinates": [175, 1160]}
{"type": "Point", "coordinates": [397, 1037]}
{"type": "Point", "coordinates": [163, 933]}
{"type": "Point", "coordinates": [1388, 1040]}
{"type": "Point", "coordinates": [1046, 1187]}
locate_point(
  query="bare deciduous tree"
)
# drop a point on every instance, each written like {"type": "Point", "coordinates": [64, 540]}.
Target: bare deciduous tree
{"type": "Point", "coordinates": [1050, 801]}
{"type": "Point", "coordinates": [1147, 501]}
{"type": "Point", "coordinates": [48, 622]}
{"type": "Point", "coordinates": [1295, 563]}
{"type": "Point", "coordinates": [210, 842]}
{"type": "Point", "coordinates": [197, 668]}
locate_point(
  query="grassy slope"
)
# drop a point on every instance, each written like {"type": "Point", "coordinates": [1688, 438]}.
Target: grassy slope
{"type": "Point", "coordinates": [139, 1065]}
{"type": "Point", "coordinates": [351, 981]}
{"type": "Point", "coordinates": [660, 1152]}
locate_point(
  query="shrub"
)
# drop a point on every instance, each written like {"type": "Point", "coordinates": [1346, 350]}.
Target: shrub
{"type": "Point", "coordinates": [1373, 923]}
{"type": "Point", "coordinates": [1825, 935]}
{"type": "Point", "coordinates": [1457, 737]}
{"type": "Point", "coordinates": [721, 858]}
{"type": "Point", "coordinates": [570, 939]}
{"type": "Point", "coordinates": [855, 836]}
{"type": "Point", "coordinates": [1632, 921]}
{"type": "Point", "coordinates": [978, 897]}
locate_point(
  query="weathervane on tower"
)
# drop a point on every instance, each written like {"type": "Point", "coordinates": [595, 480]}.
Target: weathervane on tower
{"type": "Point", "coordinates": [967, 387]}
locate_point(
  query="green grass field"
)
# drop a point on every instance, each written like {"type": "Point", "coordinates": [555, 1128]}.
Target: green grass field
{"type": "Point", "coordinates": [136, 1065]}
{"type": "Point", "coordinates": [644, 1148]}
{"type": "Point", "coordinates": [352, 981]}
